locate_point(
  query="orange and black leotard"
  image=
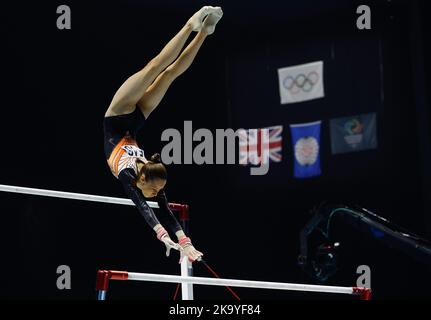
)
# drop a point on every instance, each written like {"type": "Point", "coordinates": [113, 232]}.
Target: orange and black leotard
{"type": "Point", "coordinates": [121, 152]}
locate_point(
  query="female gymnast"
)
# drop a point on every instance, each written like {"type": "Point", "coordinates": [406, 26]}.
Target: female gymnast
{"type": "Point", "coordinates": [131, 105]}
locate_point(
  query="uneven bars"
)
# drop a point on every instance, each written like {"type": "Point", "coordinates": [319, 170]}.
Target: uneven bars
{"type": "Point", "coordinates": [103, 277]}
{"type": "Point", "coordinates": [85, 197]}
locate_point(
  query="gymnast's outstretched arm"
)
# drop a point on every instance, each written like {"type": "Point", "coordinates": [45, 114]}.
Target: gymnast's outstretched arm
{"type": "Point", "coordinates": [169, 219]}
{"type": "Point", "coordinates": [126, 177]}
{"type": "Point", "coordinates": [184, 243]}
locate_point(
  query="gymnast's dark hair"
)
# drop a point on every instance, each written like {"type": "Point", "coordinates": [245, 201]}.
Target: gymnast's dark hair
{"type": "Point", "coordinates": [153, 169]}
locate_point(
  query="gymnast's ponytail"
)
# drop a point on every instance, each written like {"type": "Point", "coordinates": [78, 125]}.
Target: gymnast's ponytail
{"type": "Point", "coordinates": [156, 158]}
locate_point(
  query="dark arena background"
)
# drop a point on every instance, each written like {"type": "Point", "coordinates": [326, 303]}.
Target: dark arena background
{"type": "Point", "coordinates": [58, 83]}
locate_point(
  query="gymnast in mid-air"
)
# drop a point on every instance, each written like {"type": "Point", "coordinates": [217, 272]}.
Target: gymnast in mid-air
{"type": "Point", "coordinates": [131, 105]}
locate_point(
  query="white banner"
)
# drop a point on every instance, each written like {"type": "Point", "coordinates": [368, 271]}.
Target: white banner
{"type": "Point", "coordinates": [301, 83]}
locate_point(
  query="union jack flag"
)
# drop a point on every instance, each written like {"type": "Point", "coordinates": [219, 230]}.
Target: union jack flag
{"type": "Point", "coordinates": [256, 146]}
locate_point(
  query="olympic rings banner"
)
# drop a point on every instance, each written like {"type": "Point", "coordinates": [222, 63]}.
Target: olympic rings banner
{"type": "Point", "coordinates": [301, 83]}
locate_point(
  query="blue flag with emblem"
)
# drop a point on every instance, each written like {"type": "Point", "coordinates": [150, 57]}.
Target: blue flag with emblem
{"type": "Point", "coordinates": [306, 149]}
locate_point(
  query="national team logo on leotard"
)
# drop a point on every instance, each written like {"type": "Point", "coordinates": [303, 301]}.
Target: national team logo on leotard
{"type": "Point", "coordinates": [133, 151]}
{"type": "Point", "coordinates": [124, 156]}
{"type": "Point", "coordinates": [128, 158]}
